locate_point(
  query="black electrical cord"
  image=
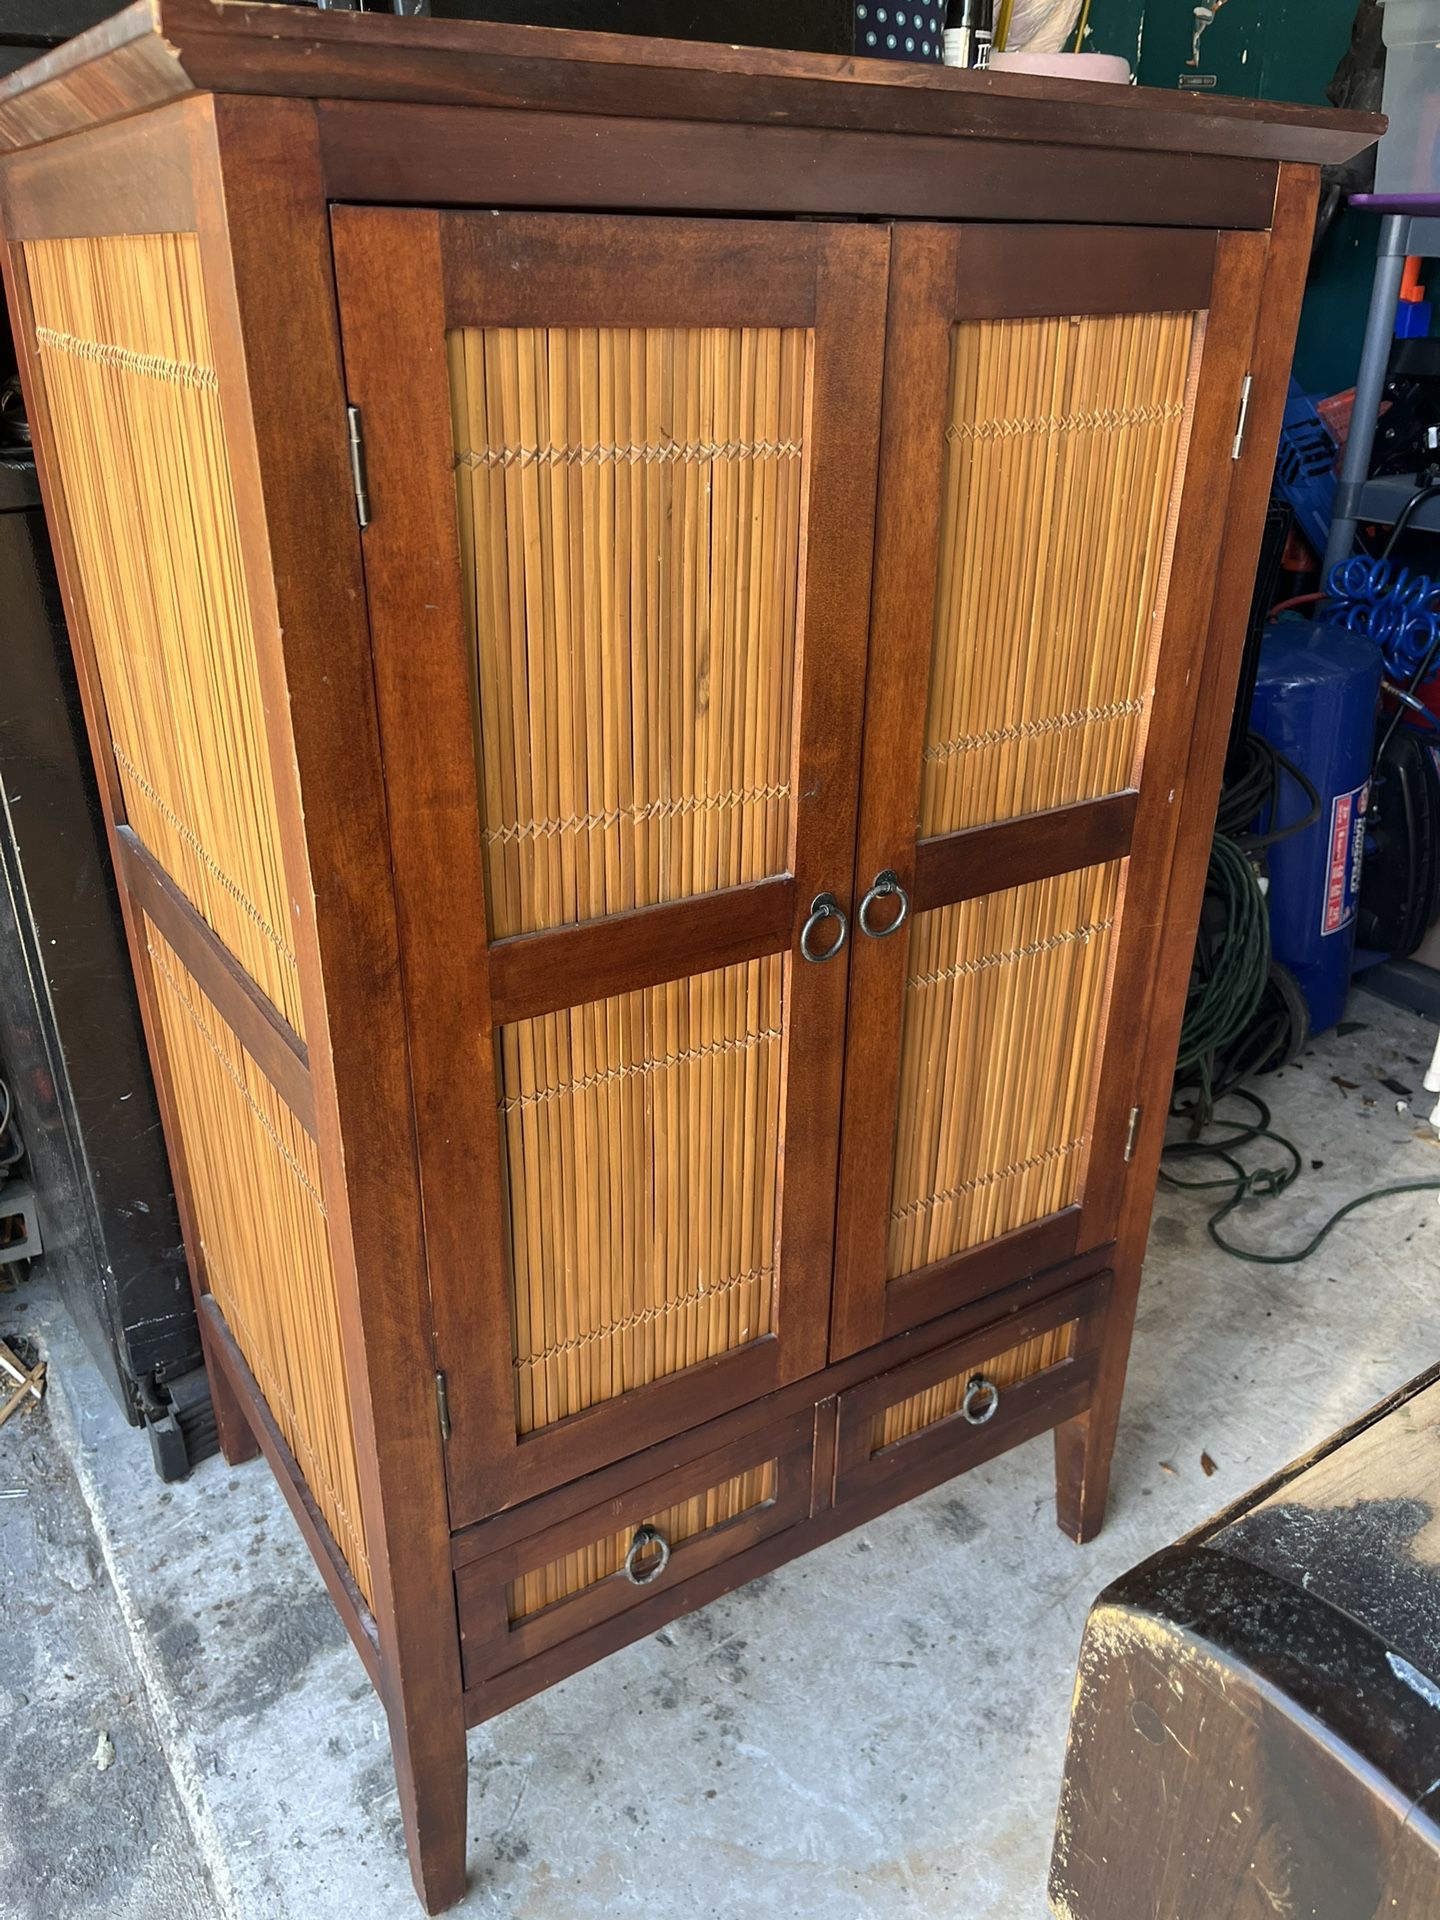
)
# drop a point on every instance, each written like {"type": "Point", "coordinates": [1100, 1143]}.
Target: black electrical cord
{"type": "Point", "coordinates": [1402, 520]}
{"type": "Point", "coordinates": [1256, 789]}
{"type": "Point", "coordinates": [1242, 1183]}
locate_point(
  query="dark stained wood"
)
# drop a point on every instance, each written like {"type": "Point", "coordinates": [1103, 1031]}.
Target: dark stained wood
{"type": "Point", "coordinates": [396, 263]}
{"type": "Point", "coordinates": [369, 739]}
{"type": "Point", "coordinates": [117, 68]}
{"type": "Point", "coordinates": [1106, 269]}
{"type": "Point", "coordinates": [535, 973]}
{"type": "Point", "coordinates": [996, 1313]}
{"type": "Point", "coordinates": [922, 279]}
{"type": "Point", "coordinates": [232, 1426]}
{"type": "Point", "coordinates": [588, 270]}
{"type": "Point", "coordinates": [1128, 1057]}
{"type": "Point", "coordinates": [492, 1643]}
{"type": "Point", "coordinates": [856, 1467]}
{"type": "Point", "coordinates": [293, 493]}
{"type": "Point", "coordinates": [1084, 1448]}
{"type": "Point", "coordinates": [237, 1379]}
{"type": "Point", "coordinates": [130, 177]}
{"type": "Point", "coordinates": [254, 49]}
{"type": "Point", "coordinates": [980, 1271]}
{"type": "Point", "coordinates": [1281, 1669]}
{"type": "Point", "coordinates": [451, 156]}
{"type": "Point", "coordinates": [962, 866]}
{"type": "Point", "coordinates": [937, 275]}
{"type": "Point", "coordinates": [271, 1042]}
{"type": "Point", "coordinates": [1028, 1412]}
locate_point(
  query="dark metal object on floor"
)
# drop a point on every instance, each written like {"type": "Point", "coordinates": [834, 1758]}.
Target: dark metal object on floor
{"type": "Point", "coordinates": [1258, 1711]}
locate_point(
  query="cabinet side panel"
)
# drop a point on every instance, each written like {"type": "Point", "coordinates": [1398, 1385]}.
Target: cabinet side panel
{"type": "Point", "coordinates": [261, 1237]}
{"type": "Point", "coordinates": [122, 345]}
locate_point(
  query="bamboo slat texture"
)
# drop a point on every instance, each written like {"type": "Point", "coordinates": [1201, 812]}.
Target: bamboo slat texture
{"type": "Point", "coordinates": [124, 352]}
{"type": "Point", "coordinates": [939, 1402]}
{"type": "Point", "coordinates": [1003, 1002]}
{"type": "Point", "coordinates": [631, 509]}
{"type": "Point", "coordinates": [684, 1521]}
{"type": "Point", "coordinates": [1064, 448]}
{"type": "Point", "coordinates": [642, 1153]}
{"type": "Point", "coordinates": [254, 1180]}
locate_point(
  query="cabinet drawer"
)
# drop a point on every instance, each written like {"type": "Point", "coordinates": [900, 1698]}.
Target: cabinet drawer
{"type": "Point", "coordinates": [573, 1574]}
{"type": "Point", "coordinates": [933, 1417]}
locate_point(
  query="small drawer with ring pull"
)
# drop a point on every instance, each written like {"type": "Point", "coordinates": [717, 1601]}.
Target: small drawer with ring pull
{"type": "Point", "coordinates": [960, 1404]}
{"type": "Point", "coordinates": [584, 1563]}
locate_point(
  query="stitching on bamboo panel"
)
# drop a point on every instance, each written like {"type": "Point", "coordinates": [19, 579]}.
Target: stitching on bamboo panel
{"type": "Point", "coordinates": [153, 366]}
{"type": "Point", "coordinates": [183, 1000]}
{"type": "Point", "coordinates": [642, 1205]}
{"type": "Point", "coordinates": [1064, 449]}
{"type": "Point", "coordinates": [191, 839]}
{"type": "Point", "coordinates": [998, 1058]}
{"type": "Point", "coordinates": [651, 810]}
{"type": "Point", "coordinates": [491, 459]}
{"type": "Point", "coordinates": [1017, 1167]}
{"type": "Point", "coordinates": [1089, 420]}
{"type": "Point", "coordinates": [1028, 952]}
{"type": "Point", "coordinates": [628, 1068]}
{"type": "Point", "coordinates": [141, 454]}
{"type": "Point", "coordinates": [632, 517]}
{"type": "Point", "coordinates": [645, 1317]}
{"type": "Point", "coordinates": [1036, 729]}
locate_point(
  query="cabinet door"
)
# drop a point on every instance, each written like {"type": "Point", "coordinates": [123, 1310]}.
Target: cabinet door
{"type": "Point", "coordinates": [621, 486]}
{"type": "Point", "coordinates": [1060, 417]}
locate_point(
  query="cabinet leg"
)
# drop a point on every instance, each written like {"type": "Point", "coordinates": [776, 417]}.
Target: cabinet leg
{"type": "Point", "coordinates": [237, 1443]}
{"type": "Point", "coordinates": [1083, 1447]}
{"type": "Point", "coordinates": [431, 1772]}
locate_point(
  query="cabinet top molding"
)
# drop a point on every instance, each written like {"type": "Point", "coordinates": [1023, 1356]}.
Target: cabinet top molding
{"type": "Point", "coordinates": [159, 50]}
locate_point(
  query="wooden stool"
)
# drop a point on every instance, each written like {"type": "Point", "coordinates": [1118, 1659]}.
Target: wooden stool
{"type": "Point", "coordinates": [1256, 1729]}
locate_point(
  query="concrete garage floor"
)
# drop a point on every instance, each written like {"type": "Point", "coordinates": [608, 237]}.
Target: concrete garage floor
{"type": "Point", "coordinates": [876, 1730]}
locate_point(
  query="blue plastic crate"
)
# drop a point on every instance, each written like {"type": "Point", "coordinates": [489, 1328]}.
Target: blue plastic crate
{"type": "Point", "coordinates": [1305, 467]}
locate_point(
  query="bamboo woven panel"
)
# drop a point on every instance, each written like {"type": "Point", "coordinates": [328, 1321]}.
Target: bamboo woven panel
{"type": "Point", "coordinates": [124, 352]}
{"type": "Point", "coordinates": [1064, 450]}
{"type": "Point", "coordinates": [999, 1047]}
{"type": "Point", "coordinates": [254, 1180]}
{"type": "Point", "coordinates": [642, 1154]}
{"type": "Point", "coordinates": [589, 1565]}
{"type": "Point", "coordinates": [631, 508]}
{"type": "Point", "coordinates": [939, 1402]}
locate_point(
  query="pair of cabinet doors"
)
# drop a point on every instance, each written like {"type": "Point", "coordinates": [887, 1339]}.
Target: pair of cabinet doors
{"type": "Point", "coordinates": [786, 640]}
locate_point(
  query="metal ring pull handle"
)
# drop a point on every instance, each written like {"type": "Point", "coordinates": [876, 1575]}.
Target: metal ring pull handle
{"type": "Point", "coordinates": [822, 908]}
{"type": "Point", "coordinates": [640, 1567]}
{"type": "Point", "coordinates": [981, 1402]}
{"type": "Point", "coordinates": [885, 886]}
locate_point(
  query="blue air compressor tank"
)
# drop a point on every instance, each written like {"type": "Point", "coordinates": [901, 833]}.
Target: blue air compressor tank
{"type": "Point", "coordinates": [1315, 699]}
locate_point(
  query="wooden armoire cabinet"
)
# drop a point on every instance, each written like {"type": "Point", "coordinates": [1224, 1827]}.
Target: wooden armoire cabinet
{"type": "Point", "coordinates": [658, 624]}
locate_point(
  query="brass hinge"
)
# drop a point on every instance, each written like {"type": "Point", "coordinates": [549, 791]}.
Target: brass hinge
{"type": "Point", "coordinates": [442, 1405]}
{"type": "Point", "coordinates": [357, 465]}
{"type": "Point", "coordinates": [1132, 1133]}
{"type": "Point", "coordinates": [1239, 447]}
